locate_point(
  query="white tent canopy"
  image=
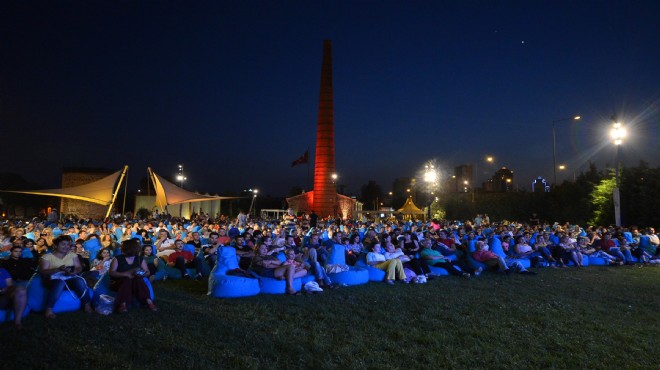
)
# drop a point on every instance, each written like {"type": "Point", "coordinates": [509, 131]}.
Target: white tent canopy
{"type": "Point", "coordinates": [103, 191]}
{"type": "Point", "coordinates": [167, 193]}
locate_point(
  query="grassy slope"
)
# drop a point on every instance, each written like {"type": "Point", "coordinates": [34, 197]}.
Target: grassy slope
{"type": "Point", "coordinates": [591, 318]}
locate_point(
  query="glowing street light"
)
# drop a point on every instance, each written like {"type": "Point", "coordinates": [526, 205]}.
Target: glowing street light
{"type": "Point", "coordinates": [554, 145]}
{"type": "Point", "coordinates": [562, 167]}
{"type": "Point", "coordinates": [254, 199]}
{"type": "Point", "coordinates": [180, 177]}
{"type": "Point", "coordinates": [489, 159]}
{"type": "Point", "coordinates": [431, 178]}
{"type": "Point", "coordinates": [617, 133]}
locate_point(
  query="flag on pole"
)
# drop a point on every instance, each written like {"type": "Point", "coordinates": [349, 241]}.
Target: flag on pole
{"type": "Point", "coordinates": [303, 159]}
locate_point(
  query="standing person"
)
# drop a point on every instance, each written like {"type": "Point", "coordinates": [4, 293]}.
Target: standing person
{"type": "Point", "coordinates": [59, 269]}
{"type": "Point", "coordinates": [313, 219]}
{"type": "Point", "coordinates": [126, 272]}
{"type": "Point", "coordinates": [52, 217]}
{"type": "Point", "coordinates": [242, 219]}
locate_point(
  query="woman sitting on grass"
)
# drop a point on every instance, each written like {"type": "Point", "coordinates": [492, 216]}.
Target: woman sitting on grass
{"type": "Point", "coordinates": [269, 266]}
{"type": "Point", "coordinates": [393, 267]}
{"type": "Point", "coordinates": [101, 263]}
{"type": "Point", "coordinates": [151, 260]}
{"type": "Point", "coordinates": [126, 277]}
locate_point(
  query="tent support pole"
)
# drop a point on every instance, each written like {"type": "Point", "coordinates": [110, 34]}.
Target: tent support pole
{"type": "Point", "coordinates": [114, 194]}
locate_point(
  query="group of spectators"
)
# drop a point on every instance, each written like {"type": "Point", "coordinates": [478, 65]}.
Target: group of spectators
{"type": "Point", "coordinates": [286, 249]}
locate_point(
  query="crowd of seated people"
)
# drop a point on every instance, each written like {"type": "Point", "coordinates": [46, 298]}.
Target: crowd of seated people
{"type": "Point", "coordinates": [293, 249]}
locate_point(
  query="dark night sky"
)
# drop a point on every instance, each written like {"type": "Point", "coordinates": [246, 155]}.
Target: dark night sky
{"type": "Point", "coordinates": [230, 89]}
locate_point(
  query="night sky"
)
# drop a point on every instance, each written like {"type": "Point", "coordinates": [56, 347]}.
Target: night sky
{"type": "Point", "coordinates": [230, 89]}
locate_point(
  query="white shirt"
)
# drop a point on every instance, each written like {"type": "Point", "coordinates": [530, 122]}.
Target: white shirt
{"type": "Point", "coordinates": [396, 254]}
{"type": "Point", "coordinates": [375, 257]}
{"type": "Point", "coordinates": [166, 243]}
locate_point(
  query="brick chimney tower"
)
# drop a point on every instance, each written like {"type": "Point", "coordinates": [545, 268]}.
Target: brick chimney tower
{"type": "Point", "coordinates": [325, 191]}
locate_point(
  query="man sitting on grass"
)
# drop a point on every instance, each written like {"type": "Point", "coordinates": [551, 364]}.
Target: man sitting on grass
{"type": "Point", "coordinates": [181, 259]}
{"type": "Point", "coordinates": [20, 269]}
{"type": "Point", "coordinates": [12, 296]}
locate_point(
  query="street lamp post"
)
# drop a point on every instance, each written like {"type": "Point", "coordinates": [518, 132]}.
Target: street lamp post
{"type": "Point", "coordinates": [430, 177]}
{"type": "Point", "coordinates": [181, 178]}
{"type": "Point", "coordinates": [554, 145]}
{"type": "Point", "coordinates": [335, 201]}
{"type": "Point", "coordinates": [254, 200]}
{"type": "Point", "coordinates": [617, 133]}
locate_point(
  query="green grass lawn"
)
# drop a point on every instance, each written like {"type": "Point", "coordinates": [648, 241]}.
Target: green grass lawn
{"type": "Point", "coordinates": [596, 317]}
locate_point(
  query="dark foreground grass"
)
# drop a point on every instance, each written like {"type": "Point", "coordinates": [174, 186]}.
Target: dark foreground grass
{"type": "Point", "coordinates": [591, 318]}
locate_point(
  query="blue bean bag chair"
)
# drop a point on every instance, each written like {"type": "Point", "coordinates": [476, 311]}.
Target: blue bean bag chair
{"type": "Point", "coordinates": [354, 276]}
{"type": "Point", "coordinates": [628, 236]}
{"type": "Point", "coordinates": [92, 246]}
{"type": "Point", "coordinates": [596, 261]}
{"type": "Point", "coordinates": [645, 244]}
{"type": "Point", "coordinates": [27, 253]}
{"type": "Point", "coordinates": [274, 286]}
{"type": "Point", "coordinates": [37, 294]}
{"type": "Point", "coordinates": [118, 234]}
{"type": "Point", "coordinates": [222, 285]}
{"type": "Point", "coordinates": [438, 271]}
{"type": "Point", "coordinates": [160, 271]}
{"type": "Point", "coordinates": [474, 263]}
{"type": "Point", "coordinates": [495, 246]}
{"type": "Point", "coordinates": [103, 287]}
{"type": "Point", "coordinates": [374, 273]}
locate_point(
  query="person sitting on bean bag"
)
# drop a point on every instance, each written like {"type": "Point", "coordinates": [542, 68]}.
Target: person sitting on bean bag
{"type": "Point", "coordinates": [182, 259]}
{"type": "Point", "coordinates": [393, 267]}
{"type": "Point", "coordinates": [12, 295]}
{"type": "Point", "coordinates": [60, 269]}
{"type": "Point", "coordinates": [268, 265]}
{"type": "Point", "coordinates": [126, 277]}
